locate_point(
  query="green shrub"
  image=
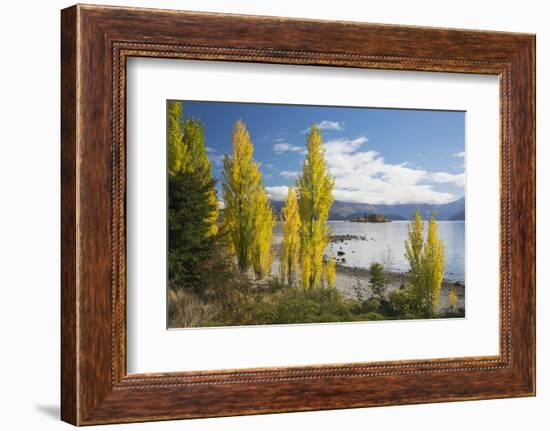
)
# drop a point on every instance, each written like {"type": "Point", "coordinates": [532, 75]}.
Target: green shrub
{"type": "Point", "coordinates": [403, 302]}
{"type": "Point", "coordinates": [358, 290]}
{"type": "Point", "coordinates": [374, 316]}
{"type": "Point", "coordinates": [277, 305]}
{"type": "Point", "coordinates": [386, 307]}
{"type": "Point", "coordinates": [372, 305]}
{"type": "Point", "coordinates": [275, 284]}
{"type": "Point", "coordinates": [377, 280]}
{"type": "Point", "coordinates": [454, 313]}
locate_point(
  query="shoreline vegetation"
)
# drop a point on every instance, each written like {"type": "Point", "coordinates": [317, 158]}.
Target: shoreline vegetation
{"type": "Point", "coordinates": [225, 270]}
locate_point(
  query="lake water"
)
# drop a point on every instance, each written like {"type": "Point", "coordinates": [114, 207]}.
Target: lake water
{"type": "Point", "coordinates": [385, 243]}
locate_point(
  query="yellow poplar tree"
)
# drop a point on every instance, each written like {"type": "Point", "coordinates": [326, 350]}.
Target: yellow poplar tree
{"type": "Point", "coordinates": [264, 222]}
{"type": "Point", "coordinates": [413, 253]}
{"type": "Point", "coordinates": [330, 271]}
{"type": "Point", "coordinates": [453, 298]}
{"type": "Point", "coordinates": [427, 262]}
{"type": "Point", "coordinates": [290, 249]}
{"type": "Point", "coordinates": [433, 262]}
{"type": "Point", "coordinates": [178, 156]}
{"type": "Point", "coordinates": [247, 213]}
{"type": "Point", "coordinates": [314, 190]}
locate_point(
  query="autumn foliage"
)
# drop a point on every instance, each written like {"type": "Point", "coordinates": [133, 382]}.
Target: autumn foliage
{"type": "Point", "coordinates": [193, 206]}
{"type": "Point", "coordinates": [314, 190]}
{"type": "Point", "coordinates": [248, 216]}
{"type": "Point", "coordinates": [290, 227]}
{"type": "Point", "coordinates": [221, 249]}
{"type": "Point", "coordinates": [264, 222]}
{"type": "Point", "coordinates": [330, 271]}
{"type": "Point", "coordinates": [427, 262]}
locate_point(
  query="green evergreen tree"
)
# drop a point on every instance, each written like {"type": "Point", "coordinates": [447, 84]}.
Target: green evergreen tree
{"type": "Point", "coordinates": [192, 202]}
{"type": "Point", "coordinates": [199, 164]}
{"type": "Point", "coordinates": [190, 243]}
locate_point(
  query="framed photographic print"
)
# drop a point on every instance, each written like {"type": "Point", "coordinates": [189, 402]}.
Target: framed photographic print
{"type": "Point", "coordinates": [265, 215]}
{"type": "Point", "coordinates": [313, 227]}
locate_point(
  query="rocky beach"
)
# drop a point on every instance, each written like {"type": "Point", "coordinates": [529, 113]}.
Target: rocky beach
{"type": "Point", "coordinates": [353, 282]}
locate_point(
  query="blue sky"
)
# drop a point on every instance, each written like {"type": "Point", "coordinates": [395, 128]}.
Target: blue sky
{"type": "Point", "coordinates": [376, 155]}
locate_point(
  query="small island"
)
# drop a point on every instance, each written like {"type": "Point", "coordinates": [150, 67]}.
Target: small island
{"type": "Point", "coordinates": [371, 218]}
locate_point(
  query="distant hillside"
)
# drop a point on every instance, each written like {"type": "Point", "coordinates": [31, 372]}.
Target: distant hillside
{"type": "Point", "coordinates": [348, 210]}
{"type": "Point", "coordinates": [460, 216]}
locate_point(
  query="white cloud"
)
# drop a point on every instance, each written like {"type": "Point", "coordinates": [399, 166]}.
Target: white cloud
{"type": "Point", "coordinates": [289, 174]}
{"type": "Point", "coordinates": [345, 146]}
{"type": "Point", "coordinates": [277, 193]}
{"type": "Point", "coordinates": [461, 155]}
{"type": "Point", "coordinates": [444, 177]}
{"type": "Point", "coordinates": [330, 125]}
{"type": "Point", "coordinates": [282, 147]}
{"type": "Point", "coordinates": [365, 177]}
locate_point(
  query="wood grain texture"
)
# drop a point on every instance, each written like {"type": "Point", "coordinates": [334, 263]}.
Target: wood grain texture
{"type": "Point", "coordinates": [96, 41]}
{"type": "Point", "coordinates": [69, 397]}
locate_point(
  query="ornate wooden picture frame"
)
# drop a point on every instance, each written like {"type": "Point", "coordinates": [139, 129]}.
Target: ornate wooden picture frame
{"type": "Point", "coordinates": [96, 41]}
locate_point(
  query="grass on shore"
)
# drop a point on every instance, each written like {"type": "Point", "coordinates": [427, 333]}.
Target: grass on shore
{"type": "Point", "coordinates": [280, 304]}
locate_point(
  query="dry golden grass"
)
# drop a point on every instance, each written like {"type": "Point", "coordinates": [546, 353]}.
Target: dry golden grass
{"type": "Point", "coordinates": [187, 310]}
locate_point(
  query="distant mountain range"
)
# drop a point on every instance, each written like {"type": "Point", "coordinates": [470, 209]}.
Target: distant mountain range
{"type": "Point", "coordinates": [348, 210]}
